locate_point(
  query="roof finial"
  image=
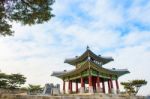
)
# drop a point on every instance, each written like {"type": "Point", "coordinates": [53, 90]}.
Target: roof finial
{"type": "Point", "coordinates": [87, 47]}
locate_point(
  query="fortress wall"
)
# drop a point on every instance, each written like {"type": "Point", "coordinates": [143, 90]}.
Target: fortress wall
{"type": "Point", "coordinates": [93, 96]}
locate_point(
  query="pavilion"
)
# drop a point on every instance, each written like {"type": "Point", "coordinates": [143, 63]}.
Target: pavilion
{"type": "Point", "coordinates": [89, 70]}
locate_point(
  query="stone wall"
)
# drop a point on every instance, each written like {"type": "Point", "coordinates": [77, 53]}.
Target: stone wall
{"type": "Point", "coordinates": [16, 91]}
{"type": "Point", "coordinates": [81, 96]}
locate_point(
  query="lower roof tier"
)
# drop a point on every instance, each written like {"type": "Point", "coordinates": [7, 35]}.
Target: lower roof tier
{"type": "Point", "coordinates": [90, 68]}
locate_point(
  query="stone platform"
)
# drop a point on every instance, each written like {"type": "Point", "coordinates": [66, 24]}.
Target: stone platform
{"type": "Point", "coordinates": [72, 96]}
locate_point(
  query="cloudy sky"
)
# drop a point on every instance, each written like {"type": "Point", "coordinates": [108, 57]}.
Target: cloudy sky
{"type": "Point", "coordinates": [120, 29]}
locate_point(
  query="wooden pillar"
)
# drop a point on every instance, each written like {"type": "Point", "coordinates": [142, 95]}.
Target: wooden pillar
{"type": "Point", "coordinates": [76, 86]}
{"type": "Point", "coordinates": [109, 89]}
{"type": "Point", "coordinates": [94, 84]}
{"type": "Point", "coordinates": [82, 85]}
{"type": "Point", "coordinates": [103, 84]}
{"type": "Point", "coordinates": [117, 86]}
{"type": "Point", "coordinates": [111, 82]}
{"type": "Point", "coordinates": [98, 84]}
{"type": "Point", "coordinates": [64, 91]}
{"type": "Point", "coordinates": [70, 86]}
{"type": "Point", "coordinates": [90, 84]}
{"type": "Point", "coordinates": [82, 82]}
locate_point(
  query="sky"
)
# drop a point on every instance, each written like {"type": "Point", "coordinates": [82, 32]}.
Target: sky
{"type": "Point", "coordinates": [120, 29]}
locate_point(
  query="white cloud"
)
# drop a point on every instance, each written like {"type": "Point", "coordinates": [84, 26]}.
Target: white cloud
{"type": "Point", "coordinates": [104, 14]}
{"type": "Point", "coordinates": [140, 12]}
{"type": "Point", "coordinates": [136, 38]}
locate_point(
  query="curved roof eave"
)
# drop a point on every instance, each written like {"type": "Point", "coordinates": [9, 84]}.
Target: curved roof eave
{"type": "Point", "coordinates": [120, 72]}
{"type": "Point", "coordinates": [73, 61]}
{"type": "Point", "coordinates": [62, 74]}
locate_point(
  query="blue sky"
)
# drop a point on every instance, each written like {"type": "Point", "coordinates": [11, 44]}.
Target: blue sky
{"type": "Point", "coordinates": [120, 29]}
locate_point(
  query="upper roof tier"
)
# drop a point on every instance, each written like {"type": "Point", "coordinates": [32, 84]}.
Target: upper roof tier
{"type": "Point", "coordinates": [88, 54]}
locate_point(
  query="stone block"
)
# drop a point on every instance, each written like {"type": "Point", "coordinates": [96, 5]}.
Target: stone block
{"type": "Point", "coordinates": [82, 90]}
